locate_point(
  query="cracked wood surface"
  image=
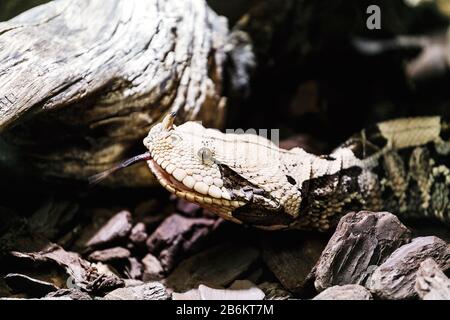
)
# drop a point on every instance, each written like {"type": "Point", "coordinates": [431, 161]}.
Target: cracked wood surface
{"type": "Point", "coordinates": [82, 82]}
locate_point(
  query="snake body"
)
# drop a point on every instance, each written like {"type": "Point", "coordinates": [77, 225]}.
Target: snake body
{"type": "Point", "coordinates": [402, 166]}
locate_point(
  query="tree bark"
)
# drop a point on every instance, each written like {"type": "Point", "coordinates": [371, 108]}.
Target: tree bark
{"type": "Point", "coordinates": [82, 82]}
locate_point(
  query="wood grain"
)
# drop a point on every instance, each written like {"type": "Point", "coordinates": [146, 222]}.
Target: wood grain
{"type": "Point", "coordinates": [81, 82]}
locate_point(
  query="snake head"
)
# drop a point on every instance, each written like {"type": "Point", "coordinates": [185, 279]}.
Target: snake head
{"type": "Point", "coordinates": [183, 159]}
{"type": "Point", "coordinates": [224, 173]}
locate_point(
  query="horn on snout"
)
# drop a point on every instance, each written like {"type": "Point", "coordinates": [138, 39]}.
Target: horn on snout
{"type": "Point", "coordinates": [167, 122]}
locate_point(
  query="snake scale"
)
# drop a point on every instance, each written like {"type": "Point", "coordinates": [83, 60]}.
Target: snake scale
{"type": "Point", "coordinates": [402, 166]}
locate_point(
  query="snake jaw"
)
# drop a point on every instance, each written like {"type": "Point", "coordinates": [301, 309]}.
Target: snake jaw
{"type": "Point", "coordinates": [222, 207]}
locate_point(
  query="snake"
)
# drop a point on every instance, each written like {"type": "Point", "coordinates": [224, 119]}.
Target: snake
{"type": "Point", "coordinates": [400, 166]}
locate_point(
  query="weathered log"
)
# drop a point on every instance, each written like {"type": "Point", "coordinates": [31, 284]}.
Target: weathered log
{"type": "Point", "coordinates": [81, 82]}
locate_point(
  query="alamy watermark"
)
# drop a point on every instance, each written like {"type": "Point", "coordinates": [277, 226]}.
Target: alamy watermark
{"type": "Point", "coordinates": [274, 136]}
{"type": "Point", "coordinates": [250, 145]}
{"type": "Point", "coordinates": [374, 19]}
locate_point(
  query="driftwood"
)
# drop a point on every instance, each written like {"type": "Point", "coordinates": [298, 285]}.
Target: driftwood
{"type": "Point", "coordinates": [82, 82]}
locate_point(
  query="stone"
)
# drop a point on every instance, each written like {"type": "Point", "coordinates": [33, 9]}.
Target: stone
{"type": "Point", "coordinates": [32, 287]}
{"type": "Point", "coordinates": [72, 294]}
{"type": "Point", "coordinates": [431, 282]}
{"type": "Point", "coordinates": [217, 266]}
{"type": "Point", "coordinates": [138, 234]}
{"type": "Point", "coordinates": [115, 228]}
{"type": "Point", "coordinates": [396, 277]}
{"type": "Point", "coordinates": [291, 255]}
{"type": "Point", "coordinates": [152, 268]}
{"type": "Point", "coordinates": [362, 241]}
{"type": "Point", "coordinates": [111, 254]}
{"type": "Point", "coordinates": [274, 291]}
{"type": "Point", "coordinates": [147, 291]}
{"type": "Point", "coordinates": [134, 269]}
{"type": "Point", "coordinates": [345, 292]}
{"type": "Point", "coordinates": [178, 236]}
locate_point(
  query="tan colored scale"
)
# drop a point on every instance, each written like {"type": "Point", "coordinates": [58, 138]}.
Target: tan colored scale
{"type": "Point", "coordinates": [397, 178]}
{"type": "Point", "coordinates": [190, 160]}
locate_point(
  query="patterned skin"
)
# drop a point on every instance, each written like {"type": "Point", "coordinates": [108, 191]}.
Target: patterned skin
{"type": "Point", "coordinates": [400, 165]}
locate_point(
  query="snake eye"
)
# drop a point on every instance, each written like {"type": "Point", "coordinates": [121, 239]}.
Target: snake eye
{"type": "Point", "coordinates": [205, 155]}
{"type": "Point", "coordinates": [174, 139]}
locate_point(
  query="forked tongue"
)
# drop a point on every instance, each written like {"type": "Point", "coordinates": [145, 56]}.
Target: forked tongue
{"type": "Point", "coordinates": [167, 124]}
{"type": "Point", "coordinates": [129, 162]}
